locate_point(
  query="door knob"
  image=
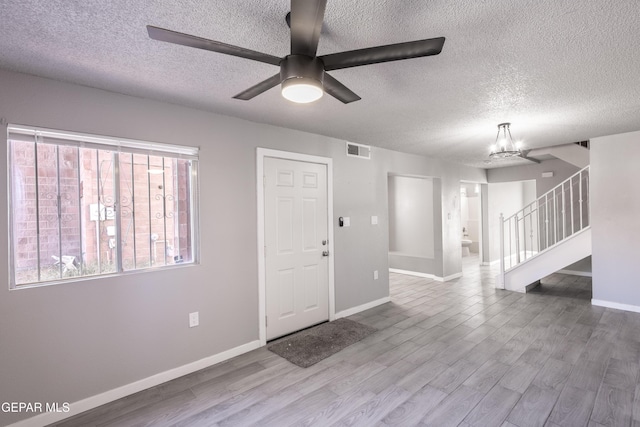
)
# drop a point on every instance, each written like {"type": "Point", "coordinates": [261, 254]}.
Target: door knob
{"type": "Point", "coordinates": [324, 243]}
{"type": "Point", "coordinates": [325, 253]}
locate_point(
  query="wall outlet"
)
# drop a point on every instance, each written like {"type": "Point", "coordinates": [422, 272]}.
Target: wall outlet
{"type": "Point", "coordinates": [374, 220]}
{"type": "Point", "coordinates": [194, 319]}
{"type": "Point", "coordinates": [375, 275]}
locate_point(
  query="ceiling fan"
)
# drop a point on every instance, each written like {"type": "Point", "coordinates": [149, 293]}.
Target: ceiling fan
{"type": "Point", "coordinates": [303, 75]}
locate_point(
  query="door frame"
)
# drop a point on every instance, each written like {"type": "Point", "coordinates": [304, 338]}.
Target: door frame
{"type": "Point", "coordinates": [481, 230]}
{"type": "Point", "coordinates": [261, 154]}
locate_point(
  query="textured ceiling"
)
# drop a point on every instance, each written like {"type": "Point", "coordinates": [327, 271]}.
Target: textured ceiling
{"type": "Point", "coordinates": [558, 70]}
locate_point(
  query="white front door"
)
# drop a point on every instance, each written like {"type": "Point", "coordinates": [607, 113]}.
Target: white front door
{"type": "Point", "coordinates": [296, 238]}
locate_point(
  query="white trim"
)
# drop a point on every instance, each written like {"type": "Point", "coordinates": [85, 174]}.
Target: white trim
{"type": "Point", "coordinates": [426, 275]}
{"type": "Point", "coordinates": [135, 387]}
{"type": "Point", "coordinates": [261, 153]}
{"type": "Point", "coordinates": [412, 273]}
{"type": "Point", "coordinates": [616, 305]}
{"type": "Point", "coordinates": [576, 273]}
{"type": "Point", "coordinates": [355, 310]}
{"type": "Point", "coordinates": [187, 150]}
{"type": "Point", "coordinates": [262, 286]}
{"type": "Point", "coordinates": [447, 278]}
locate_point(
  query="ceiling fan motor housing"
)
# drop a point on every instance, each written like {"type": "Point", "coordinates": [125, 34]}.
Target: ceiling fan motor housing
{"type": "Point", "coordinates": [295, 67]}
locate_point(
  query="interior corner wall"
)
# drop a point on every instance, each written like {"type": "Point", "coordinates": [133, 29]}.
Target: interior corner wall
{"type": "Point", "coordinates": [561, 171]}
{"type": "Point", "coordinates": [411, 216]}
{"type": "Point", "coordinates": [72, 341]}
{"type": "Point", "coordinates": [411, 223]}
{"type": "Point", "coordinates": [446, 189]}
{"type": "Point", "coordinates": [615, 225]}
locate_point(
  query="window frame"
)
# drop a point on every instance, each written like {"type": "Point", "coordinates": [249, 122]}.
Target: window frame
{"type": "Point", "coordinates": [117, 146]}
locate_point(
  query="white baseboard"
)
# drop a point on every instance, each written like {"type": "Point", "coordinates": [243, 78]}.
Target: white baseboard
{"type": "Point", "coordinates": [447, 278]}
{"type": "Point", "coordinates": [616, 305]}
{"type": "Point", "coordinates": [412, 273]}
{"type": "Point", "coordinates": [355, 310]}
{"type": "Point", "coordinates": [126, 390]}
{"type": "Point", "coordinates": [426, 275]}
{"type": "Point", "coordinates": [576, 273]}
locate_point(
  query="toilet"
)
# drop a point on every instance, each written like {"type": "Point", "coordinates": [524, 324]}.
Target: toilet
{"type": "Point", "coordinates": [466, 243]}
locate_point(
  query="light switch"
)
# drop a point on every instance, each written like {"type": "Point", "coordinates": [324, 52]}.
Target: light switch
{"type": "Point", "coordinates": [194, 319]}
{"type": "Point", "coordinates": [346, 221]}
{"type": "Point", "coordinates": [374, 220]}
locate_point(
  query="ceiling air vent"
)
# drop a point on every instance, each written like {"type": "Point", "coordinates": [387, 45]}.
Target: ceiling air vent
{"type": "Point", "coordinates": [358, 150]}
{"type": "Point", "coordinates": [584, 144]}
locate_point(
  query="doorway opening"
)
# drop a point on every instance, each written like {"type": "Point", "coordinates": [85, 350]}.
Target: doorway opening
{"type": "Point", "coordinates": [471, 223]}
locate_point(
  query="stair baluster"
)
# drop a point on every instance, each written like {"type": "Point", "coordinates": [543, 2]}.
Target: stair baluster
{"type": "Point", "coordinates": [539, 218]}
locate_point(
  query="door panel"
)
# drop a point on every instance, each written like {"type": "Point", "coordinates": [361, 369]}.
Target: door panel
{"type": "Point", "coordinates": [297, 279]}
{"type": "Point", "coordinates": [286, 293]}
{"type": "Point", "coordinates": [309, 225]}
{"type": "Point", "coordinates": [311, 287]}
{"type": "Point", "coordinates": [284, 225]}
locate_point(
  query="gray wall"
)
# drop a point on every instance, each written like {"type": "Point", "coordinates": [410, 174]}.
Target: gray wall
{"type": "Point", "coordinates": [561, 171]}
{"type": "Point", "coordinates": [615, 218]}
{"type": "Point", "coordinates": [411, 216]}
{"type": "Point", "coordinates": [75, 340]}
{"type": "Point", "coordinates": [411, 223]}
{"type": "Point", "coordinates": [505, 198]}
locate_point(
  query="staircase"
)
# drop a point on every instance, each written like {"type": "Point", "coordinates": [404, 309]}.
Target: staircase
{"type": "Point", "coordinates": [546, 235]}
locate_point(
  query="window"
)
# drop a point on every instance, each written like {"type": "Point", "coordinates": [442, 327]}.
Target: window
{"type": "Point", "coordinates": [84, 205]}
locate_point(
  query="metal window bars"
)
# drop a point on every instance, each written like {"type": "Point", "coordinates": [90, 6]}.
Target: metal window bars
{"type": "Point", "coordinates": [69, 180]}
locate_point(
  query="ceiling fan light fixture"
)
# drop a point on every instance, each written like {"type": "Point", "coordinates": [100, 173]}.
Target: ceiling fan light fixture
{"type": "Point", "coordinates": [302, 90]}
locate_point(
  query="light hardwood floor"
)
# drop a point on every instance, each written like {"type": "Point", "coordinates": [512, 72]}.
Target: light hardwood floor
{"type": "Point", "coordinates": [445, 354]}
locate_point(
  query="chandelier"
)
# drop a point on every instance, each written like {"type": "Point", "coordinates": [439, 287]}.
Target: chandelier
{"type": "Point", "coordinates": [504, 146]}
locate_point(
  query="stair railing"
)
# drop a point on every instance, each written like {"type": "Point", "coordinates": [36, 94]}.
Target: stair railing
{"type": "Point", "coordinates": [551, 218]}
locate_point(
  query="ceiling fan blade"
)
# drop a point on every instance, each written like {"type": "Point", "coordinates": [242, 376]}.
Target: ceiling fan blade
{"type": "Point", "coordinates": [374, 55]}
{"type": "Point", "coordinates": [174, 37]}
{"type": "Point", "coordinates": [306, 23]}
{"type": "Point", "coordinates": [256, 90]}
{"type": "Point", "coordinates": [339, 91]}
